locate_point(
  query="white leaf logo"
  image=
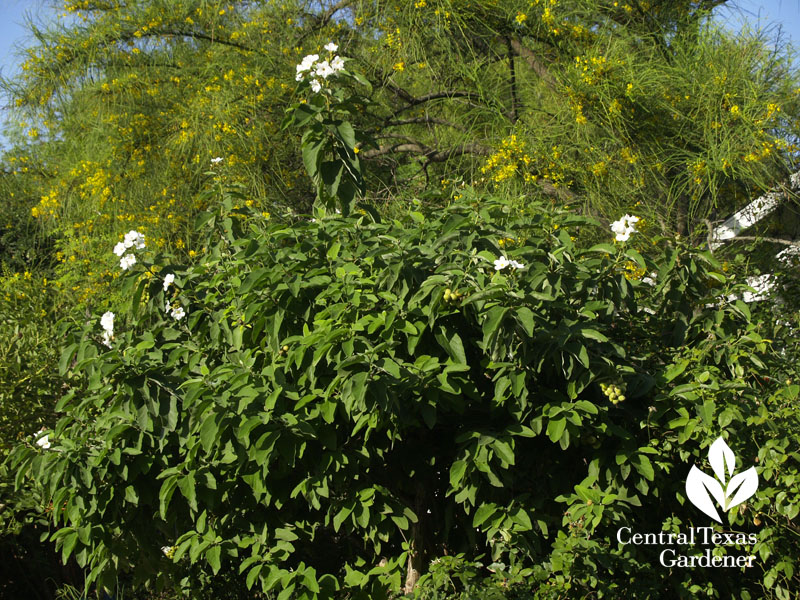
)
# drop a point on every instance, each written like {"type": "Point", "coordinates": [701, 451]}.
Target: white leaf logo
{"type": "Point", "coordinates": [727, 489]}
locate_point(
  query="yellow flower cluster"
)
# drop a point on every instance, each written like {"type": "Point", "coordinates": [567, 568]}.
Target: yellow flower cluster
{"type": "Point", "coordinates": [512, 159]}
{"type": "Point", "coordinates": [591, 69]}
{"type": "Point", "coordinates": [393, 39]}
{"type": "Point", "coordinates": [599, 168]}
{"type": "Point", "coordinates": [503, 164]}
{"type": "Point", "coordinates": [699, 170]}
{"type": "Point", "coordinates": [48, 205]}
{"type": "Point", "coordinates": [76, 5]}
{"type": "Point", "coordinates": [767, 148]}
{"type": "Point", "coordinates": [633, 271]}
{"type": "Point", "coordinates": [577, 108]}
{"type": "Point", "coordinates": [629, 155]}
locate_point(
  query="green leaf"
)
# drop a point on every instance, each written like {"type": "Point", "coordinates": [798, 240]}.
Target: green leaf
{"type": "Point", "coordinates": [645, 467]}
{"type": "Point", "coordinates": [333, 251]}
{"type": "Point", "coordinates": [525, 318]}
{"type": "Point", "coordinates": [346, 134]}
{"type": "Point", "coordinates": [208, 433]}
{"type": "Point", "coordinates": [483, 512]}
{"type": "Point", "coordinates": [593, 334]}
{"type": "Point", "coordinates": [253, 575]}
{"type": "Point", "coordinates": [493, 320]}
{"type": "Point", "coordinates": [635, 257]}
{"type": "Point", "coordinates": [311, 156]}
{"type": "Point", "coordinates": [706, 412]}
{"type": "Point", "coordinates": [676, 369]}
{"type": "Point", "coordinates": [213, 558]}
{"type": "Point", "coordinates": [457, 350]}
{"type": "Point", "coordinates": [343, 513]}
{"type": "Point", "coordinates": [504, 451]}
{"type": "Point", "coordinates": [457, 470]}
{"type": "Point", "coordinates": [187, 487]}
{"type": "Point", "coordinates": [555, 428]}
{"type": "Point", "coordinates": [68, 544]}
{"type": "Point", "coordinates": [165, 495]}
{"type": "Point", "coordinates": [604, 248]}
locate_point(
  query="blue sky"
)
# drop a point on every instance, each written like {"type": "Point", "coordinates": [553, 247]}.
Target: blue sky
{"type": "Point", "coordinates": [783, 14]}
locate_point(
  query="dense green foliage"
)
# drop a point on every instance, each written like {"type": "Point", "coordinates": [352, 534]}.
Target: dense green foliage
{"type": "Point", "coordinates": [459, 386]}
{"type": "Point", "coordinates": [343, 391]}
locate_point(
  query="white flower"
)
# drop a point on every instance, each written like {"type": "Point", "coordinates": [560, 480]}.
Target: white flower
{"type": "Point", "coordinates": [624, 227]}
{"type": "Point", "coordinates": [299, 76]}
{"type": "Point", "coordinates": [168, 306]}
{"type": "Point", "coordinates": [107, 322]}
{"type": "Point", "coordinates": [166, 549]}
{"type": "Point", "coordinates": [178, 313]}
{"type": "Point", "coordinates": [168, 279]}
{"type": "Point", "coordinates": [307, 62]}
{"type": "Point", "coordinates": [331, 47]}
{"type": "Point", "coordinates": [135, 239]}
{"type": "Point", "coordinates": [120, 248]}
{"type": "Point", "coordinates": [337, 64]}
{"type": "Point", "coordinates": [216, 160]}
{"type": "Point", "coordinates": [127, 262]}
{"type": "Point", "coordinates": [316, 86]}
{"type": "Point", "coordinates": [501, 263]}
{"type": "Point", "coordinates": [324, 69]}
{"type": "Point", "coordinates": [516, 265]}
{"type": "Point", "coordinates": [43, 442]}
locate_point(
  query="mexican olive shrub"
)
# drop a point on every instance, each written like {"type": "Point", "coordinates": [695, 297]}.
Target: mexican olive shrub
{"type": "Point", "coordinates": [347, 399]}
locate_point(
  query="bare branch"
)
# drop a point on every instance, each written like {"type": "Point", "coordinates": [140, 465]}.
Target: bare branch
{"type": "Point", "coordinates": [198, 35]}
{"type": "Point", "coordinates": [323, 19]}
{"type": "Point", "coordinates": [431, 154]}
{"type": "Point", "coordinates": [753, 238]}
{"type": "Point", "coordinates": [415, 101]}
{"type": "Point", "coordinates": [425, 120]}
{"type": "Point", "coordinates": [513, 76]}
{"type": "Point", "coordinates": [533, 62]}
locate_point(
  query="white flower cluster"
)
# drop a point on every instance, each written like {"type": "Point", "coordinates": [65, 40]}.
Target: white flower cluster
{"type": "Point", "coordinates": [319, 71]}
{"type": "Point", "coordinates": [107, 323]}
{"type": "Point", "coordinates": [502, 262]}
{"type": "Point", "coordinates": [133, 239]}
{"type": "Point", "coordinates": [175, 311]}
{"type": "Point", "coordinates": [624, 227]}
{"type": "Point", "coordinates": [216, 161]}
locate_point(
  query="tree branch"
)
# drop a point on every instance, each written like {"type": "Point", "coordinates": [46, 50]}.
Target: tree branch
{"type": "Point", "coordinates": [193, 34]}
{"type": "Point", "coordinates": [415, 101]}
{"type": "Point", "coordinates": [753, 238]}
{"type": "Point", "coordinates": [533, 62]}
{"type": "Point", "coordinates": [323, 20]}
{"type": "Point", "coordinates": [431, 154]}
{"type": "Point", "coordinates": [513, 74]}
{"type": "Point", "coordinates": [420, 120]}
